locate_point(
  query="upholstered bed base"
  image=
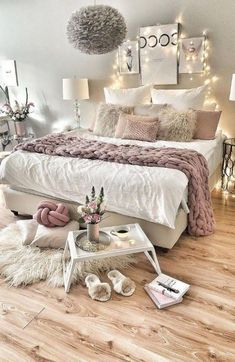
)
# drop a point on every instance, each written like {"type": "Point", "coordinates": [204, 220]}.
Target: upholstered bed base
{"type": "Point", "coordinates": [160, 235]}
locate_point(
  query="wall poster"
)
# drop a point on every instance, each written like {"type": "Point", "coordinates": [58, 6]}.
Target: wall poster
{"type": "Point", "coordinates": [159, 54]}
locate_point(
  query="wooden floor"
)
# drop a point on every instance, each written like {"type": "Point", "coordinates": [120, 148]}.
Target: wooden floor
{"type": "Point", "coordinates": [38, 323]}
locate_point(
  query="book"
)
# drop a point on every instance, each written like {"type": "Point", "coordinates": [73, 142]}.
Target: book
{"type": "Point", "coordinates": [170, 287]}
{"type": "Point", "coordinates": [159, 299]}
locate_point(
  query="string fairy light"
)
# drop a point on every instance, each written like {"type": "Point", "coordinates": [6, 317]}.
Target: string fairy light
{"type": "Point", "coordinates": [117, 79]}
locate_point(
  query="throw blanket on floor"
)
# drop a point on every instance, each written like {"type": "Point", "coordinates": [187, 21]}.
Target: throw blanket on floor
{"type": "Point", "coordinates": [191, 163]}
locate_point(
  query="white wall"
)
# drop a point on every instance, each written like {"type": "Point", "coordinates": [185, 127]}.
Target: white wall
{"type": "Point", "coordinates": [34, 34]}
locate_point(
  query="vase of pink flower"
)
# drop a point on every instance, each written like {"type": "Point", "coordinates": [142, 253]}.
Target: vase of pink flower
{"type": "Point", "coordinates": [18, 112]}
{"type": "Point", "coordinates": [91, 214]}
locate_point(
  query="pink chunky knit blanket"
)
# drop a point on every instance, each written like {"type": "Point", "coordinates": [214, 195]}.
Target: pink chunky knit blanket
{"type": "Point", "coordinates": [191, 163]}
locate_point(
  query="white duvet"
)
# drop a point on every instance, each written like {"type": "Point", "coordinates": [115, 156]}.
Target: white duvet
{"type": "Point", "coordinates": [149, 193]}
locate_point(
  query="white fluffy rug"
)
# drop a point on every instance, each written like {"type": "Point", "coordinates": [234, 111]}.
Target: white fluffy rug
{"type": "Point", "coordinates": [22, 265]}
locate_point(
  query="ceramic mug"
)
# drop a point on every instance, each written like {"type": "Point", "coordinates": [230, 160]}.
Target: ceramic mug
{"type": "Point", "coordinates": [122, 232]}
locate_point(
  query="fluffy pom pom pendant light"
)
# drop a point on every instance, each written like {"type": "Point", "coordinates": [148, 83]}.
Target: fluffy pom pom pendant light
{"type": "Point", "coordinates": [96, 29]}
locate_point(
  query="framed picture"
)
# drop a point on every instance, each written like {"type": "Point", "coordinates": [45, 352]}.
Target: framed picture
{"type": "Point", "coordinates": [128, 57]}
{"type": "Point", "coordinates": [159, 54]}
{"type": "Point", "coordinates": [191, 55]}
{"type": "Point", "coordinates": [9, 73]}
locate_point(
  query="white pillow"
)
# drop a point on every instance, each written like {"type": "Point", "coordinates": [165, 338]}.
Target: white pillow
{"type": "Point", "coordinates": [53, 237]}
{"type": "Point", "coordinates": [180, 99]}
{"type": "Point", "coordinates": [34, 234]}
{"type": "Point", "coordinates": [129, 96]}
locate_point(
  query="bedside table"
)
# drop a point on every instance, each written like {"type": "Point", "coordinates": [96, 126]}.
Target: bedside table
{"type": "Point", "coordinates": [22, 139]}
{"type": "Point", "coordinates": [228, 167]}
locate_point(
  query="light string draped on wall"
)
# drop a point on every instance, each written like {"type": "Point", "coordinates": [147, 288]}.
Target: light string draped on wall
{"type": "Point", "coordinates": [209, 78]}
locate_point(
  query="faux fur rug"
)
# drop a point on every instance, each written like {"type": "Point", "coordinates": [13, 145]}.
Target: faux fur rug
{"type": "Point", "coordinates": [22, 265]}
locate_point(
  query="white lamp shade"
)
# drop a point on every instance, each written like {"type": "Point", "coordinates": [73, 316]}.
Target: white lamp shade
{"type": "Point", "coordinates": [232, 90]}
{"type": "Point", "coordinates": [74, 88]}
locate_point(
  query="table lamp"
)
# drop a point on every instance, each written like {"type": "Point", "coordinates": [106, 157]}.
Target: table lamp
{"type": "Point", "coordinates": [232, 90]}
{"type": "Point", "coordinates": [76, 90]}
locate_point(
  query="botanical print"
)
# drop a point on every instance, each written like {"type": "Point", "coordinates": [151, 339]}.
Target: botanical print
{"type": "Point", "coordinates": [9, 73]}
{"type": "Point", "coordinates": [191, 55]}
{"type": "Point", "coordinates": [158, 54]}
{"type": "Point", "coordinates": [128, 54]}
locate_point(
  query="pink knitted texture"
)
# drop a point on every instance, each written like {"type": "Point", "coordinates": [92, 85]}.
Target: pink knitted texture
{"type": "Point", "coordinates": [50, 214]}
{"type": "Point", "coordinates": [191, 163]}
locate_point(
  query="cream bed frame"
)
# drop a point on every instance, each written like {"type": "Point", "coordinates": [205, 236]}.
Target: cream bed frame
{"type": "Point", "coordinates": [26, 203]}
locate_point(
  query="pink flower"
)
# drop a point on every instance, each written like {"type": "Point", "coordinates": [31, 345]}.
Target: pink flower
{"type": "Point", "coordinates": [96, 218]}
{"type": "Point", "coordinates": [87, 219]}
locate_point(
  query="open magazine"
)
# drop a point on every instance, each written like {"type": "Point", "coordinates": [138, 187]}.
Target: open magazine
{"type": "Point", "coordinates": [166, 291]}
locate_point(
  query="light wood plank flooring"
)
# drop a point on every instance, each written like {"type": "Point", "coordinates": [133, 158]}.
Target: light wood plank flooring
{"type": "Point", "coordinates": [38, 323]}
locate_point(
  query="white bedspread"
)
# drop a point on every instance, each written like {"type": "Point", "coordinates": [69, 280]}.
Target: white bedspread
{"type": "Point", "coordinates": [150, 193]}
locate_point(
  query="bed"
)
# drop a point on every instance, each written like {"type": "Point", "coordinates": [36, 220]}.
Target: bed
{"type": "Point", "coordinates": [156, 198]}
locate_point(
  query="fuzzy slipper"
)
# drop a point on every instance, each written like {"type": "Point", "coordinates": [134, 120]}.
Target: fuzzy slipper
{"type": "Point", "coordinates": [121, 284]}
{"type": "Point", "coordinates": [96, 289]}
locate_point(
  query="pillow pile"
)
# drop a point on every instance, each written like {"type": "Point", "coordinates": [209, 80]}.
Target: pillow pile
{"type": "Point", "coordinates": [174, 115]}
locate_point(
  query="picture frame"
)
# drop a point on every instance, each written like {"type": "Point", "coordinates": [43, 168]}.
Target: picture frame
{"type": "Point", "coordinates": [9, 73]}
{"type": "Point", "coordinates": [128, 57]}
{"type": "Point", "coordinates": [191, 53]}
{"type": "Point", "coordinates": [159, 54]}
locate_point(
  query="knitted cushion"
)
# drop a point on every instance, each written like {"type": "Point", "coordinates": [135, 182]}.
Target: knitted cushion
{"type": "Point", "coordinates": [123, 118]}
{"type": "Point", "coordinates": [143, 131]}
{"type": "Point", "coordinates": [51, 214]}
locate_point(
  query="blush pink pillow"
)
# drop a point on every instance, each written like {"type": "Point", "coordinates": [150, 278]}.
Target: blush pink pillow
{"type": "Point", "coordinates": [142, 131]}
{"type": "Point", "coordinates": [206, 125]}
{"type": "Point", "coordinates": [124, 118]}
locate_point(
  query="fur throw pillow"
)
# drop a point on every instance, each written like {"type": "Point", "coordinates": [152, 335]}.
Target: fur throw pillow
{"type": "Point", "coordinates": [107, 118]}
{"type": "Point", "coordinates": [176, 126]}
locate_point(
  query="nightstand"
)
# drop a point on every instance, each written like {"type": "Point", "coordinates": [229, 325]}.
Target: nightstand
{"type": "Point", "coordinates": [22, 139]}
{"type": "Point", "coordinates": [228, 167]}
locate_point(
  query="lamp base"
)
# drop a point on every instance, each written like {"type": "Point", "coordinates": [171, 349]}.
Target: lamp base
{"type": "Point", "coordinates": [77, 113]}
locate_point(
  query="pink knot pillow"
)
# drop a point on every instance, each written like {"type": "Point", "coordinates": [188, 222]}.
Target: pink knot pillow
{"type": "Point", "coordinates": [51, 214]}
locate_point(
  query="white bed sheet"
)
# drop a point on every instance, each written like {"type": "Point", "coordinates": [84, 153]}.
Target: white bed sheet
{"type": "Point", "coordinates": [149, 193]}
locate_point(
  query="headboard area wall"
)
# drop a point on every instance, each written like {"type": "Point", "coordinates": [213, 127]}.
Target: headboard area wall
{"type": "Point", "coordinates": [34, 34]}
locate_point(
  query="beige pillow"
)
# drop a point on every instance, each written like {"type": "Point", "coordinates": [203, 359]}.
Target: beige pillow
{"type": "Point", "coordinates": [176, 126]}
{"type": "Point", "coordinates": [107, 118]}
{"type": "Point", "coordinates": [207, 123]}
{"type": "Point", "coordinates": [123, 119]}
{"type": "Point", "coordinates": [142, 131]}
{"type": "Point", "coordinates": [151, 110]}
